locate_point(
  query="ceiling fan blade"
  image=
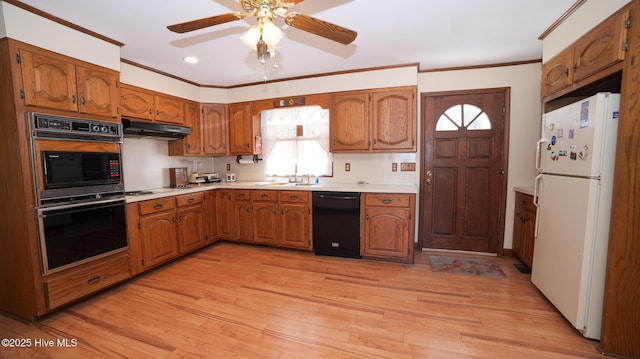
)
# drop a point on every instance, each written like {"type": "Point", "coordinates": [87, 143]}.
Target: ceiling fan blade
{"type": "Point", "coordinates": [321, 28]}
{"type": "Point", "coordinates": [206, 22]}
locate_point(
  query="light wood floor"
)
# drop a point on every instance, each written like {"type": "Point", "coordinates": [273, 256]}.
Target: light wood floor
{"type": "Point", "coordinates": [244, 301]}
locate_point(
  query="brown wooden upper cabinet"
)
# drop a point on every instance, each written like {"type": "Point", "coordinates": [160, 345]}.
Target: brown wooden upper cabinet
{"type": "Point", "coordinates": [244, 129]}
{"type": "Point", "coordinates": [208, 136]}
{"type": "Point", "coordinates": [54, 81]}
{"type": "Point", "coordinates": [381, 120]}
{"type": "Point", "coordinates": [603, 46]}
{"type": "Point", "coordinates": [149, 105]}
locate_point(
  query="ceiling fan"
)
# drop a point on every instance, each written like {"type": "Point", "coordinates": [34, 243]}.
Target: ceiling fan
{"type": "Point", "coordinates": [266, 11]}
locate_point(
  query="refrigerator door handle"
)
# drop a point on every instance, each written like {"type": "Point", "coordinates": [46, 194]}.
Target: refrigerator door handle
{"type": "Point", "coordinates": [539, 153]}
{"type": "Point", "coordinates": [536, 202]}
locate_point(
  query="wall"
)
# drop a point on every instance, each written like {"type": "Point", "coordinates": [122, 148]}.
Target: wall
{"type": "Point", "coordinates": [582, 20]}
{"type": "Point", "coordinates": [525, 117]}
{"type": "Point", "coordinates": [24, 26]}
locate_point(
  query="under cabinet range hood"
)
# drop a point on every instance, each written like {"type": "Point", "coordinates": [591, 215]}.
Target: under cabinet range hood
{"type": "Point", "coordinates": [143, 129]}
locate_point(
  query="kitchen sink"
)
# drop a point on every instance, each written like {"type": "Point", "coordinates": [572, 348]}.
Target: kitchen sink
{"type": "Point", "coordinates": [305, 184]}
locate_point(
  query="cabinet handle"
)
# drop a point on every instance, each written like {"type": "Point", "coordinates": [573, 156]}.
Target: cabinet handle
{"type": "Point", "coordinates": [73, 99]}
{"type": "Point", "coordinates": [173, 220]}
{"type": "Point", "coordinates": [94, 279]}
{"type": "Point", "coordinates": [282, 211]}
{"type": "Point", "coordinates": [158, 206]}
{"type": "Point", "coordinates": [180, 218]}
{"type": "Point", "coordinates": [241, 195]}
{"type": "Point", "coordinates": [157, 112]}
{"type": "Point", "coordinates": [264, 196]}
{"type": "Point", "coordinates": [191, 200]}
{"type": "Point", "coordinates": [83, 101]}
{"type": "Point", "coordinates": [375, 141]}
{"type": "Point", "coordinates": [275, 211]}
{"type": "Point", "coordinates": [294, 197]}
{"type": "Point", "coordinates": [366, 217]}
{"type": "Point", "coordinates": [248, 209]}
{"type": "Point", "coordinates": [150, 111]}
{"type": "Point", "coordinates": [386, 201]}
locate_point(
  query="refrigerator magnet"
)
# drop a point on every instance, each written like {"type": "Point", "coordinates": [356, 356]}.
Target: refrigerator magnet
{"type": "Point", "coordinates": [553, 140]}
{"type": "Point", "coordinates": [584, 115]}
{"type": "Point", "coordinates": [571, 133]}
{"type": "Point", "coordinates": [584, 153]}
{"type": "Point", "coordinates": [560, 132]}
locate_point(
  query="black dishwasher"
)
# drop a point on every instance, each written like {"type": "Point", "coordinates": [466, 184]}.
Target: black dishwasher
{"type": "Point", "coordinates": [336, 224]}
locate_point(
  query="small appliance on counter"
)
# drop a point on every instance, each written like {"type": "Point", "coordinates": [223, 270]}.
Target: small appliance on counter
{"type": "Point", "coordinates": [195, 177]}
{"type": "Point", "coordinates": [211, 177]}
{"type": "Point", "coordinates": [178, 177]}
{"type": "Point", "coordinates": [231, 177]}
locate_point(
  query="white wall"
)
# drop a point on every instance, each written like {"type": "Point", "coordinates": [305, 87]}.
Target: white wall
{"type": "Point", "coordinates": [524, 129]}
{"type": "Point", "coordinates": [580, 22]}
{"type": "Point", "coordinates": [25, 26]}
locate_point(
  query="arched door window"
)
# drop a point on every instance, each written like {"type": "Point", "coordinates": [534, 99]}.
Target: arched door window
{"type": "Point", "coordinates": [463, 116]}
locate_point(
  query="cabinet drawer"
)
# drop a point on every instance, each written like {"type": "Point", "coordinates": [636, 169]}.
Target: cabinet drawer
{"type": "Point", "coordinates": [387, 199]}
{"type": "Point", "coordinates": [157, 205]}
{"type": "Point", "coordinates": [525, 201]}
{"type": "Point", "coordinates": [294, 196]}
{"type": "Point", "coordinates": [267, 196]}
{"type": "Point", "coordinates": [242, 195]}
{"type": "Point", "coordinates": [78, 283]}
{"type": "Point", "coordinates": [190, 199]}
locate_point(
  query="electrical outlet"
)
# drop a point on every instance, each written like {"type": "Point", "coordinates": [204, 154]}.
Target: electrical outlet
{"type": "Point", "coordinates": [408, 166]}
{"type": "Point", "coordinates": [394, 167]}
{"type": "Point", "coordinates": [347, 167]}
{"type": "Point", "coordinates": [228, 166]}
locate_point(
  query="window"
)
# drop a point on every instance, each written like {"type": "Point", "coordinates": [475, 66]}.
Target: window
{"type": "Point", "coordinates": [296, 138]}
{"type": "Point", "coordinates": [463, 116]}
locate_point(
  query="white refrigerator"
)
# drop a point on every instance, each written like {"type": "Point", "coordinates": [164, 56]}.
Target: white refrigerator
{"type": "Point", "coordinates": [575, 161]}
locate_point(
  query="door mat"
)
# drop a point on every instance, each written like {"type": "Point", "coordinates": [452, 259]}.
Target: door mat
{"type": "Point", "coordinates": [478, 267]}
{"type": "Point", "coordinates": [522, 268]}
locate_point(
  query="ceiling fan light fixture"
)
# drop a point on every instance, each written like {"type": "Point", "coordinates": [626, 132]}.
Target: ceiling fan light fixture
{"type": "Point", "coordinates": [271, 34]}
{"type": "Point", "coordinates": [251, 37]}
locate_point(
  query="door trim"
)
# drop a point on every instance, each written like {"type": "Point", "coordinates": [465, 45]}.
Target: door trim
{"type": "Point", "coordinates": [505, 156]}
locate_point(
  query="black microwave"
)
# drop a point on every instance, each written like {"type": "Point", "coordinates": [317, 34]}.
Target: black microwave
{"type": "Point", "coordinates": [62, 169]}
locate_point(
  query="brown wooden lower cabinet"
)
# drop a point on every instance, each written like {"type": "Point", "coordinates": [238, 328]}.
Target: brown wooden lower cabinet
{"type": "Point", "coordinates": [65, 287]}
{"type": "Point", "coordinates": [295, 220]}
{"type": "Point", "coordinates": [192, 225]}
{"type": "Point", "coordinates": [388, 222]}
{"type": "Point", "coordinates": [524, 228]}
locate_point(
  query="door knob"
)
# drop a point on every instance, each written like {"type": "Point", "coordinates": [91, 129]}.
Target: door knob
{"type": "Point", "coordinates": [429, 173]}
{"type": "Point", "coordinates": [429, 181]}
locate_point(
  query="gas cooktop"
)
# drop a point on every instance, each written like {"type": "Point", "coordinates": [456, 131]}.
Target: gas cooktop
{"type": "Point", "coordinates": [137, 193]}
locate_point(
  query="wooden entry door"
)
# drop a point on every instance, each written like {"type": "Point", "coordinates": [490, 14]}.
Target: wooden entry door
{"type": "Point", "coordinates": [463, 171]}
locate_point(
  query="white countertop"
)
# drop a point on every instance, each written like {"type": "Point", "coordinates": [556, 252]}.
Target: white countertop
{"type": "Point", "coordinates": [524, 189]}
{"type": "Point", "coordinates": [338, 187]}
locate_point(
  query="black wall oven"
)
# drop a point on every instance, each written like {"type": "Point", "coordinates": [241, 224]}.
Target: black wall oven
{"type": "Point", "coordinates": [80, 193]}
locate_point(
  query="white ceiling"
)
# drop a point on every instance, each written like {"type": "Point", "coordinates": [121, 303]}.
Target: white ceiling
{"type": "Point", "coordinates": [433, 33]}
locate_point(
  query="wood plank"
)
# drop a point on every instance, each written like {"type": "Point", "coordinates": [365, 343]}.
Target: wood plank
{"type": "Point", "coordinates": [235, 300]}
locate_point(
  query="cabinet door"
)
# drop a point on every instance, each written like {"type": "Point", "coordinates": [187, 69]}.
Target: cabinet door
{"type": "Point", "coordinates": [295, 225]}
{"type": "Point", "coordinates": [159, 238]}
{"type": "Point", "coordinates": [169, 110]}
{"type": "Point", "coordinates": [518, 230]}
{"type": "Point", "coordinates": [49, 81]}
{"type": "Point", "coordinates": [192, 231]}
{"type": "Point", "coordinates": [601, 47]}
{"type": "Point", "coordinates": [212, 215]}
{"type": "Point", "coordinates": [240, 129]}
{"type": "Point", "coordinates": [528, 237]}
{"type": "Point", "coordinates": [98, 91]}
{"type": "Point", "coordinates": [193, 142]}
{"type": "Point", "coordinates": [394, 120]}
{"type": "Point", "coordinates": [214, 129]}
{"type": "Point", "coordinates": [557, 73]}
{"type": "Point", "coordinates": [244, 221]}
{"type": "Point", "coordinates": [386, 232]}
{"type": "Point", "coordinates": [350, 118]}
{"type": "Point", "coordinates": [224, 208]}
{"type": "Point", "coordinates": [265, 222]}
{"type": "Point", "coordinates": [136, 103]}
